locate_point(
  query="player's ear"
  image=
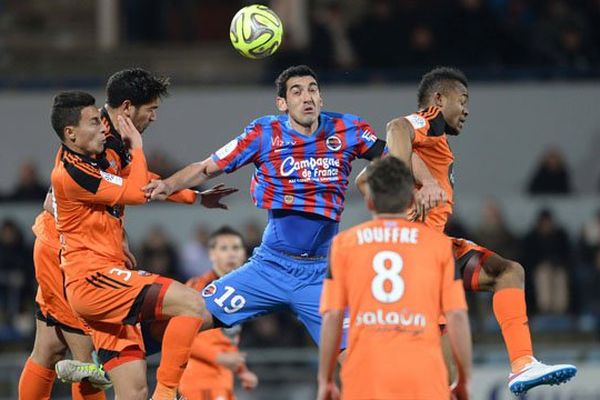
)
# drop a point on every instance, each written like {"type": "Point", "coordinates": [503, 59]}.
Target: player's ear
{"type": "Point", "coordinates": [281, 104]}
{"type": "Point", "coordinates": [438, 99]}
{"type": "Point", "coordinates": [369, 201]}
{"type": "Point", "coordinates": [69, 133]}
{"type": "Point", "coordinates": [126, 107]}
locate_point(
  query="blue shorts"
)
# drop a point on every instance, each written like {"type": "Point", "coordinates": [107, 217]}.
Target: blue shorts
{"type": "Point", "coordinates": [267, 283]}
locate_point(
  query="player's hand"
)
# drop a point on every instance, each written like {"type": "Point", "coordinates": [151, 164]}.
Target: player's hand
{"type": "Point", "coordinates": [131, 136]}
{"type": "Point", "coordinates": [211, 198]}
{"type": "Point", "coordinates": [248, 380]}
{"type": "Point", "coordinates": [428, 196]}
{"type": "Point", "coordinates": [157, 190]}
{"type": "Point", "coordinates": [232, 360]}
{"type": "Point", "coordinates": [328, 391]}
{"type": "Point", "coordinates": [460, 391]}
{"type": "Point", "coordinates": [130, 261]}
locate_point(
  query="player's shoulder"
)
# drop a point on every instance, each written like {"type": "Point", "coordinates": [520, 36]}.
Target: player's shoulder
{"type": "Point", "coordinates": [347, 237]}
{"type": "Point", "coordinates": [81, 170]}
{"type": "Point", "coordinates": [265, 120]}
{"type": "Point", "coordinates": [352, 118]}
{"type": "Point", "coordinates": [428, 121]}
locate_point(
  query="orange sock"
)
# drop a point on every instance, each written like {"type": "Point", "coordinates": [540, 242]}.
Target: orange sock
{"type": "Point", "coordinates": [176, 349]}
{"type": "Point", "coordinates": [36, 382]}
{"type": "Point", "coordinates": [511, 313]}
{"type": "Point", "coordinates": [85, 391]}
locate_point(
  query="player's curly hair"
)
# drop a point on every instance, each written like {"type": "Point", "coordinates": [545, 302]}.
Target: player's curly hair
{"type": "Point", "coordinates": [136, 85]}
{"type": "Point", "coordinates": [223, 231]}
{"type": "Point", "coordinates": [390, 185]}
{"type": "Point", "coordinates": [291, 72]}
{"type": "Point", "coordinates": [438, 79]}
{"type": "Point", "coordinates": [66, 110]}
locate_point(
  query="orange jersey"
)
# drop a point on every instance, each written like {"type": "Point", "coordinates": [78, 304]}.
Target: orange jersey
{"type": "Point", "coordinates": [203, 372]}
{"type": "Point", "coordinates": [91, 237]}
{"type": "Point", "coordinates": [431, 144]}
{"type": "Point", "coordinates": [396, 278]}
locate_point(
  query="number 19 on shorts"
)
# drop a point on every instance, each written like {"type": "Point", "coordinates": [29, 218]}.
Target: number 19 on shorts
{"type": "Point", "coordinates": [235, 304]}
{"type": "Point", "coordinates": [388, 285]}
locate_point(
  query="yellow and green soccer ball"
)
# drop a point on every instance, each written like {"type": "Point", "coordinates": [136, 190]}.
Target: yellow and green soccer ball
{"type": "Point", "coordinates": [256, 31]}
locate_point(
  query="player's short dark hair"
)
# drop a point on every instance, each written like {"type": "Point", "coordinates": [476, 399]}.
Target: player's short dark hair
{"type": "Point", "coordinates": [292, 72]}
{"type": "Point", "coordinates": [439, 79]}
{"type": "Point", "coordinates": [66, 110]}
{"type": "Point", "coordinates": [390, 185]}
{"type": "Point", "coordinates": [223, 231]}
{"type": "Point", "coordinates": [136, 85]}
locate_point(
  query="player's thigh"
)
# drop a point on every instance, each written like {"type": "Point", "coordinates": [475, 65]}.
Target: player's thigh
{"type": "Point", "coordinates": [250, 291]}
{"type": "Point", "coordinates": [470, 259]}
{"type": "Point", "coordinates": [48, 346]}
{"type": "Point", "coordinates": [129, 380]}
{"type": "Point", "coordinates": [180, 299]}
{"type": "Point", "coordinates": [80, 344]}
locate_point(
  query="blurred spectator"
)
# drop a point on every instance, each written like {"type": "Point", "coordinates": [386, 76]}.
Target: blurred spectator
{"type": "Point", "coordinates": [547, 256]}
{"type": "Point", "coordinates": [330, 42]}
{"type": "Point", "coordinates": [158, 255]}
{"type": "Point", "coordinates": [551, 176]}
{"type": "Point", "coordinates": [274, 330]}
{"type": "Point", "coordinates": [16, 272]}
{"type": "Point", "coordinates": [474, 26]}
{"type": "Point", "coordinates": [493, 233]}
{"type": "Point", "coordinates": [194, 256]}
{"type": "Point", "coordinates": [252, 236]}
{"type": "Point", "coordinates": [29, 187]}
{"type": "Point", "coordinates": [561, 36]}
{"type": "Point", "coordinates": [372, 35]}
{"type": "Point", "coordinates": [589, 250]}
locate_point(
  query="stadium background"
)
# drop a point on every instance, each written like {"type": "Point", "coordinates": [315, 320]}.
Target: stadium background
{"type": "Point", "coordinates": [528, 165]}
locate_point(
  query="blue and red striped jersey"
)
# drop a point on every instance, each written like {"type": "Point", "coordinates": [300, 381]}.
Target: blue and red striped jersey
{"type": "Point", "coordinates": [296, 171]}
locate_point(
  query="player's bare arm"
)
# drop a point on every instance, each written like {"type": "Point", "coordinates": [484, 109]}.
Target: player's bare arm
{"type": "Point", "coordinates": [331, 336]}
{"type": "Point", "coordinates": [399, 137]}
{"type": "Point", "coordinates": [192, 175]}
{"type": "Point", "coordinates": [430, 194]}
{"type": "Point", "coordinates": [459, 334]}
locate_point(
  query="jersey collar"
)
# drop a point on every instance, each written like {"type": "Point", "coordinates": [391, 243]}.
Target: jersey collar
{"type": "Point", "coordinates": [99, 162]}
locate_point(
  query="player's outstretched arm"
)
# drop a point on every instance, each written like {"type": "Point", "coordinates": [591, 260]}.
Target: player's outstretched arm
{"type": "Point", "coordinates": [399, 138]}
{"type": "Point", "coordinates": [459, 334]}
{"type": "Point", "coordinates": [192, 175]}
{"type": "Point", "coordinates": [331, 336]}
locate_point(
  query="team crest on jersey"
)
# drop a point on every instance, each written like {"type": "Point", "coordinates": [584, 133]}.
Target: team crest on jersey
{"type": "Point", "coordinates": [416, 121]}
{"type": "Point", "coordinates": [333, 143]}
{"type": "Point", "coordinates": [209, 290]}
{"type": "Point", "coordinates": [288, 199]}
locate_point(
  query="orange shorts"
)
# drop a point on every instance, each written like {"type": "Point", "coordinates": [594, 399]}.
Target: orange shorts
{"type": "Point", "coordinates": [112, 301]}
{"type": "Point", "coordinates": [470, 258]}
{"type": "Point", "coordinates": [54, 308]}
{"type": "Point", "coordinates": [206, 394]}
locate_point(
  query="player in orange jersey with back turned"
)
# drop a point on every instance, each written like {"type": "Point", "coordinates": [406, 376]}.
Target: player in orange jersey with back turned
{"type": "Point", "coordinates": [396, 278]}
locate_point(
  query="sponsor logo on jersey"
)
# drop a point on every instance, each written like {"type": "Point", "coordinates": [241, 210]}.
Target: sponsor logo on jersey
{"type": "Point", "coordinates": [141, 272]}
{"type": "Point", "coordinates": [291, 165]}
{"type": "Point", "coordinates": [403, 318]}
{"type": "Point", "coordinates": [209, 290]}
{"type": "Point", "coordinates": [117, 180]}
{"type": "Point", "coordinates": [416, 121]}
{"type": "Point", "coordinates": [278, 142]}
{"type": "Point", "coordinates": [333, 143]}
{"type": "Point", "coordinates": [227, 149]}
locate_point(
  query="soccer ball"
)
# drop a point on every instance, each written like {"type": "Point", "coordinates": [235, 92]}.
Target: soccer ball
{"type": "Point", "coordinates": [256, 31]}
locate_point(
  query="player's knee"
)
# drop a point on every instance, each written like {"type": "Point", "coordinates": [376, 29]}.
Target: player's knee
{"type": "Point", "coordinates": [134, 391]}
{"type": "Point", "coordinates": [513, 273]}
